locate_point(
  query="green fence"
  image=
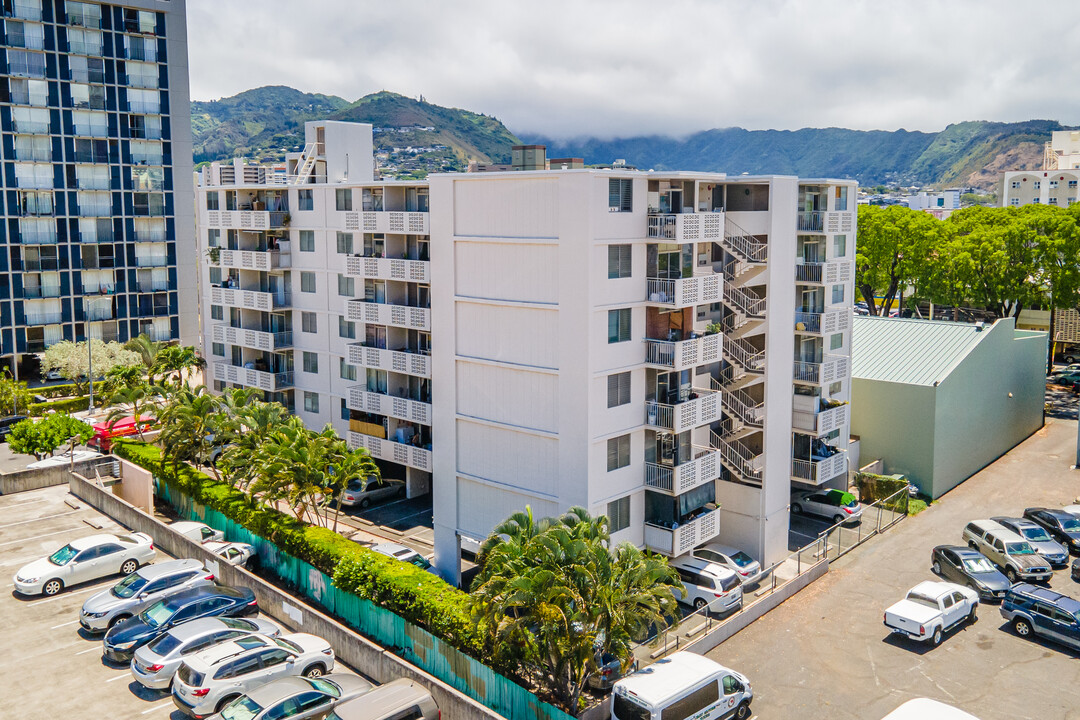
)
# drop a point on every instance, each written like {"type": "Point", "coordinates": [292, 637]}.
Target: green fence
{"type": "Point", "coordinates": [386, 628]}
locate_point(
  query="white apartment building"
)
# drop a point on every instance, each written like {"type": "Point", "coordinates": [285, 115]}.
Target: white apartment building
{"type": "Point", "coordinates": [1055, 184]}
{"type": "Point", "coordinates": [669, 349]}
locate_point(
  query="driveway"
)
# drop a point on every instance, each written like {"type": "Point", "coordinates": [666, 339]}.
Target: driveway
{"type": "Point", "coordinates": [826, 654]}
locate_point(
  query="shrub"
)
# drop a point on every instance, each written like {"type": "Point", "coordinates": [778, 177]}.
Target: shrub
{"type": "Point", "coordinates": [916, 506]}
{"type": "Point", "coordinates": [74, 404]}
{"type": "Point", "coordinates": [415, 594]}
{"type": "Point", "coordinates": [64, 390]}
{"type": "Point", "coordinates": [877, 487]}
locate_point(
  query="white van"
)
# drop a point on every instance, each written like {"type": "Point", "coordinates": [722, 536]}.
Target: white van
{"type": "Point", "coordinates": [682, 686]}
{"type": "Point", "coordinates": [708, 584]}
{"type": "Point", "coordinates": [926, 709]}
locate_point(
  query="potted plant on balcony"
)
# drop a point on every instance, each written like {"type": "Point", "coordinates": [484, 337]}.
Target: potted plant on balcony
{"type": "Point", "coordinates": [713, 328]}
{"type": "Point", "coordinates": [214, 254]}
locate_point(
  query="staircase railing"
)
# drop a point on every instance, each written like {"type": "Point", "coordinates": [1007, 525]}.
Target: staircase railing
{"type": "Point", "coordinates": [747, 303]}
{"type": "Point", "coordinates": [745, 354]}
{"type": "Point", "coordinates": [743, 243]}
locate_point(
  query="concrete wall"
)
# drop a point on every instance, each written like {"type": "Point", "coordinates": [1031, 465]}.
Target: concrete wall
{"type": "Point", "coordinates": [895, 422]}
{"type": "Point", "coordinates": [25, 480]}
{"type": "Point", "coordinates": [349, 647]}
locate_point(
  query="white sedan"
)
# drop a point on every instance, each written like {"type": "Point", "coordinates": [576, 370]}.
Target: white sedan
{"type": "Point", "coordinates": [234, 553]}
{"type": "Point", "coordinates": [85, 559]}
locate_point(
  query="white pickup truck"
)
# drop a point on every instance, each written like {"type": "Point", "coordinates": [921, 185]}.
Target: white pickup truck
{"type": "Point", "coordinates": [930, 609]}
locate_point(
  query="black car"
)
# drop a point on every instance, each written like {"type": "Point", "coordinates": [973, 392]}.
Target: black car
{"type": "Point", "coordinates": [967, 567]}
{"type": "Point", "coordinates": [1076, 570]}
{"type": "Point", "coordinates": [7, 423]}
{"type": "Point", "coordinates": [1062, 526]}
{"type": "Point", "coordinates": [126, 636]}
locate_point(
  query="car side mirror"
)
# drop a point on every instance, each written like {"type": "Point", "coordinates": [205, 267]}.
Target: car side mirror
{"type": "Point", "coordinates": [142, 596]}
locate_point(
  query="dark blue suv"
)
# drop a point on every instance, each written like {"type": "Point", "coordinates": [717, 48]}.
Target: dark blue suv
{"type": "Point", "coordinates": [1034, 610]}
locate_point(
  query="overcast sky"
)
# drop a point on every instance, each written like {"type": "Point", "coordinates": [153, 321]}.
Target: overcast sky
{"type": "Point", "coordinates": [607, 68]}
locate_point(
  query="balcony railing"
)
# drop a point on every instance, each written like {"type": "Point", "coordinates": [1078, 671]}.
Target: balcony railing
{"type": "Point", "coordinates": [25, 11]}
{"type": "Point", "coordinates": [822, 323]}
{"type": "Point", "coordinates": [268, 381]}
{"type": "Point", "coordinates": [78, 47]}
{"type": "Point", "coordinates": [686, 227]}
{"type": "Point", "coordinates": [37, 237]}
{"type": "Point", "coordinates": [385, 449]}
{"type": "Point", "coordinates": [148, 287]}
{"type": "Point", "coordinates": [40, 291]}
{"type": "Point", "coordinates": [89, 156]}
{"type": "Point", "coordinates": [86, 76]}
{"type": "Point", "coordinates": [684, 354]}
{"type": "Point", "coordinates": [702, 410]}
{"type": "Point", "coordinates": [386, 221]}
{"type": "Point", "coordinates": [821, 422]}
{"type": "Point", "coordinates": [388, 268]}
{"type": "Point", "coordinates": [77, 19]}
{"type": "Point", "coordinates": [241, 219]}
{"type": "Point", "coordinates": [831, 369]}
{"type": "Point", "coordinates": [40, 264]}
{"type": "Point", "coordinates": [142, 52]}
{"type": "Point", "coordinates": [27, 42]}
{"type": "Point", "coordinates": [821, 470]}
{"type": "Point", "coordinates": [29, 98]}
{"type": "Point", "coordinates": [683, 539]}
{"type": "Point", "coordinates": [253, 259]}
{"type": "Point", "coordinates": [141, 80]}
{"type": "Point", "coordinates": [390, 405]}
{"type": "Point", "coordinates": [91, 130]}
{"type": "Point", "coordinates": [31, 127]}
{"type": "Point", "coordinates": [151, 260]}
{"type": "Point", "coordinates": [811, 222]}
{"type": "Point", "coordinates": [399, 361]}
{"type": "Point", "coordinates": [684, 292]}
{"type": "Point", "coordinates": [33, 154]}
{"type": "Point", "coordinates": [826, 273]}
{"type": "Point", "coordinates": [145, 108]}
{"type": "Point", "coordinates": [677, 479]}
{"type": "Point", "coordinates": [254, 339]}
{"type": "Point", "coordinates": [250, 299]}
{"type": "Point", "coordinates": [19, 67]}
{"type": "Point", "coordinates": [50, 318]}
{"type": "Point", "coordinates": [96, 313]}
{"type": "Point", "coordinates": [405, 316]}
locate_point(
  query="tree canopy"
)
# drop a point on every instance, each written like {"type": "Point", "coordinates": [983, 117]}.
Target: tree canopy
{"type": "Point", "coordinates": [44, 436]}
{"type": "Point", "coordinates": [70, 359]}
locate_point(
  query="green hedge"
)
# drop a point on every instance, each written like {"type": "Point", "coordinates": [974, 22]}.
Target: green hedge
{"type": "Point", "coordinates": [416, 595]}
{"type": "Point", "coordinates": [65, 390]}
{"type": "Point", "coordinates": [877, 487]}
{"type": "Point", "coordinates": [70, 405]}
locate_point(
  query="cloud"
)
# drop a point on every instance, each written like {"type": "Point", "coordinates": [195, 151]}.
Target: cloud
{"type": "Point", "coordinates": [609, 68]}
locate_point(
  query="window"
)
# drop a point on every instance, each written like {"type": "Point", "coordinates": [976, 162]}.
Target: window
{"type": "Point", "coordinates": [344, 243]}
{"type": "Point", "coordinates": [1053, 201]}
{"type": "Point", "coordinates": [309, 322]}
{"type": "Point", "coordinates": [213, 238]}
{"type": "Point", "coordinates": [1015, 184]}
{"type": "Point", "coordinates": [618, 452]}
{"type": "Point", "coordinates": [841, 198]}
{"type": "Point", "coordinates": [346, 328]}
{"type": "Point", "coordinates": [217, 349]}
{"type": "Point", "coordinates": [217, 312]}
{"type": "Point", "coordinates": [305, 200]}
{"type": "Point", "coordinates": [618, 261]}
{"type": "Point", "coordinates": [1035, 201]}
{"type": "Point", "coordinates": [307, 282]}
{"type": "Point", "coordinates": [343, 196]}
{"type": "Point", "coordinates": [346, 286]}
{"type": "Point", "coordinates": [839, 246]}
{"type": "Point", "coordinates": [311, 402]}
{"type": "Point", "coordinates": [731, 685]}
{"type": "Point", "coordinates": [837, 294]}
{"type": "Point", "coordinates": [834, 388]}
{"type": "Point", "coordinates": [311, 362]}
{"type": "Point", "coordinates": [1053, 184]}
{"type": "Point", "coordinates": [1037, 184]}
{"type": "Point", "coordinates": [692, 704]}
{"type": "Point", "coordinates": [620, 195]}
{"type": "Point", "coordinates": [618, 325]}
{"type": "Point", "coordinates": [347, 371]}
{"type": "Point", "coordinates": [618, 513]}
{"type": "Point", "coordinates": [1014, 201]}
{"type": "Point", "coordinates": [1072, 183]}
{"type": "Point", "coordinates": [836, 341]}
{"type": "Point", "coordinates": [307, 241]}
{"type": "Point", "coordinates": [618, 389]}
{"type": "Point", "coordinates": [213, 200]}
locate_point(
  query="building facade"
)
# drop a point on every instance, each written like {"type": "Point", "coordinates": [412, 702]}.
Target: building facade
{"type": "Point", "coordinates": [96, 132]}
{"type": "Point", "coordinates": [1055, 184]}
{"type": "Point", "coordinates": [668, 349]}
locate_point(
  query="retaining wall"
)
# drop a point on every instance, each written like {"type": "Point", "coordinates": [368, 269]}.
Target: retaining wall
{"type": "Point", "coordinates": [24, 480]}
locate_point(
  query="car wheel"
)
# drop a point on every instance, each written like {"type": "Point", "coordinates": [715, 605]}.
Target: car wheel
{"type": "Point", "coordinates": [129, 567]}
{"type": "Point", "coordinates": [838, 518]}
{"type": "Point", "coordinates": [796, 508]}
{"type": "Point", "coordinates": [52, 587]}
{"type": "Point", "coordinates": [117, 619]}
{"type": "Point", "coordinates": [365, 503]}
{"type": "Point", "coordinates": [699, 604]}
{"type": "Point", "coordinates": [937, 568]}
{"type": "Point", "coordinates": [743, 713]}
{"type": "Point", "coordinates": [223, 702]}
{"type": "Point", "coordinates": [973, 545]}
{"type": "Point", "coordinates": [1011, 574]}
{"type": "Point", "coordinates": [314, 671]}
{"type": "Point", "coordinates": [973, 616]}
{"type": "Point", "coordinates": [936, 639]}
{"type": "Point", "coordinates": [1022, 627]}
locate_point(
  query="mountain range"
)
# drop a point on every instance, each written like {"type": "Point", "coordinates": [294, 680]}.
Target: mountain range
{"type": "Point", "coordinates": [266, 122]}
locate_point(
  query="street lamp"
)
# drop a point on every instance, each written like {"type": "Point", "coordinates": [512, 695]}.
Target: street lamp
{"type": "Point", "coordinates": [90, 375]}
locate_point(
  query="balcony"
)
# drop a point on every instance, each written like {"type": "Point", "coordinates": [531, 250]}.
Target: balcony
{"type": "Point", "coordinates": [33, 154]}
{"type": "Point", "coordinates": [684, 292]}
{"type": "Point", "coordinates": [392, 406]}
{"type": "Point", "coordinates": [383, 449]}
{"type": "Point", "coordinates": [404, 316]}
{"type": "Point", "coordinates": [387, 221]}
{"type": "Point", "coordinates": [817, 471]}
{"type": "Point", "coordinates": [48, 318]}
{"type": "Point", "coordinates": [142, 52]}
{"type": "Point", "coordinates": [25, 11]}
{"type": "Point", "coordinates": [686, 227]}
{"type": "Point", "coordinates": [243, 219]}
{"type": "Point", "coordinates": [150, 235]}
{"type": "Point", "coordinates": [39, 291]}
{"type": "Point", "coordinates": [141, 81]}
{"type": "Point", "coordinates": [675, 480]}
{"type": "Point", "coordinates": [151, 260]}
{"type": "Point", "coordinates": [683, 539]}
{"type": "Point", "coordinates": [144, 108]}
{"type": "Point", "coordinates": [702, 410]}
{"type": "Point", "coordinates": [147, 159]}
{"type": "Point", "coordinates": [248, 377]}
{"type": "Point", "coordinates": [830, 370]}
{"type": "Point", "coordinates": [388, 268]}
{"type": "Point", "coordinates": [97, 131]}
{"type": "Point", "coordinates": [254, 339]}
{"type": "Point", "coordinates": [249, 299]}
{"type": "Point", "coordinates": [37, 237]}
{"type": "Point", "coordinates": [818, 422]}
{"type": "Point", "coordinates": [841, 221]}
{"type": "Point", "coordinates": [77, 47]}
{"type": "Point", "coordinates": [89, 156]}
{"type": "Point", "coordinates": [399, 361]}
{"type": "Point", "coordinates": [21, 40]}
{"type": "Point", "coordinates": [98, 313]}
{"type": "Point", "coordinates": [684, 354]}
{"type": "Point", "coordinates": [28, 98]}
{"type": "Point", "coordinates": [811, 222]}
{"type": "Point", "coordinates": [24, 68]}
{"type": "Point", "coordinates": [826, 273]}
{"type": "Point", "coordinates": [822, 323]}
{"type": "Point", "coordinates": [31, 127]}
{"type": "Point", "coordinates": [152, 286]}
{"type": "Point", "coordinates": [252, 259]}
{"type": "Point", "coordinates": [86, 76]}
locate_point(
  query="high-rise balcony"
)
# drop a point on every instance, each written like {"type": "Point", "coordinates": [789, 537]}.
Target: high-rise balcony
{"type": "Point", "coordinates": [252, 259]}
{"type": "Point", "coordinates": [143, 107]}
{"type": "Point", "coordinates": [43, 318]}
{"type": "Point", "coordinates": [81, 47]}
{"type": "Point", "coordinates": [677, 479]}
{"type": "Point", "coordinates": [824, 273]}
{"type": "Point", "coordinates": [701, 408]}
{"type": "Point", "coordinates": [254, 339]}
{"type": "Point", "coordinates": [817, 421]}
{"type": "Point", "coordinates": [246, 219]}
{"type": "Point", "coordinates": [683, 539]}
{"type": "Point", "coordinates": [18, 39]}
{"type": "Point", "coordinates": [363, 400]}
{"type": "Point", "coordinates": [388, 268]}
{"type": "Point", "coordinates": [386, 221]}
{"type": "Point", "coordinates": [684, 292]}
{"type": "Point", "coordinates": [26, 10]}
{"type": "Point", "coordinates": [151, 260]}
{"type": "Point", "coordinates": [22, 97]}
{"type": "Point", "coordinates": [829, 370]}
{"type": "Point", "coordinates": [38, 237]}
{"type": "Point", "coordinates": [250, 299]}
{"type": "Point", "coordinates": [683, 354]}
{"type": "Point", "coordinates": [399, 361]}
{"type": "Point", "coordinates": [41, 291]}
{"type": "Point", "coordinates": [384, 449]}
{"type": "Point", "coordinates": [31, 127]}
{"type": "Point", "coordinates": [404, 316]}
{"type": "Point", "coordinates": [811, 222]}
{"type": "Point", "coordinates": [686, 227]}
{"type": "Point", "coordinates": [269, 381]}
{"type": "Point", "coordinates": [822, 323]}
{"type": "Point", "coordinates": [819, 470]}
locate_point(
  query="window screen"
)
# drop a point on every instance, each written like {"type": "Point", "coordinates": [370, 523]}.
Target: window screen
{"type": "Point", "coordinates": [618, 389]}
{"type": "Point", "coordinates": [618, 512]}
{"type": "Point", "coordinates": [619, 261]}
{"type": "Point", "coordinates": [620, 195]}
{"type": "Point", "coordinates": [618, 452]}
{"type": "Point", "coordinates": [618, 325]}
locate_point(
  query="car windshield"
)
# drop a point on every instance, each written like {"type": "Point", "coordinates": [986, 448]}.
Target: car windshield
{"type": "Point", "coordinates": [1035, 534]}
{"type": "Point", "coordinates": [1019, 548]}
{"type": "Point", "coordinates": [324, 686]}
{"type": "Point", "coordinates": [164, 645]}
{"type": "Point", "coordinates": [978, 565]}
{"type": "Point", "coordinates": [922, 600]}
{"type": "Point", "coordinates": [156, 615]}
{"type": "Point", "coordinates": [1070, 525]}
{"type": "Point", "coordinates": [742, 559]}
{"type": "Point", "coordinates": [420, 561]}
{"type": "Point", "coordinates": [63, 555]}
{"type": "Point", "coordinates": [243, 708]}
{"type": "Point", "coordinates": [289, 645]}
{"type": "Point", "coordinates": [130, 585]}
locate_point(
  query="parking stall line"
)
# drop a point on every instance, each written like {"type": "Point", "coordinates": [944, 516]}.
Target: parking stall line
{"type": "Point", "coordinates": [169, 703]}
{"type": "Point", "coordinates": [65, 595]}
{"type": "Point", "coordinates": [93, 649]}
{"type": "Point", "coordinates": [35, 537]}
{"type": "Point", "coordinates": [73, 622]}
{"type": "Point", "coordinates": [119, 677]}
{"type": "Point", "coordinates": [34, 520]}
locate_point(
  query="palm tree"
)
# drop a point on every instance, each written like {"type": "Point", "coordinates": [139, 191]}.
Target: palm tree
{"type": "Point", "coordinates": [347, 465]}
{"type": "Point", "coordinates": [146, 348]}
{"type": "Point", "coordinates": [123, 376]}
{"type": "Point", "coordinates": [187, 423]}
{"type": "Point", "coordinates": [250, 424]}
{"type": "Point", "coordinates": [138, 397]}
{"type": "Point", "coordinates": [291, 465]}
{"type": "Point", "coordinates": [173, 361]}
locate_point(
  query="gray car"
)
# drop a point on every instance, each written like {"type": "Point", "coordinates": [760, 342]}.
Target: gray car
{"type": "Point", "coordinates": [295, 698]}
{"type": "Point", "coordinates": [140, 590]}
{"type": "Point", "coordinates": [155, 664]}
{"type": "Point", "coordinates": [1052, 551]}
{"type": "Point", "coordinates": [359, 493]}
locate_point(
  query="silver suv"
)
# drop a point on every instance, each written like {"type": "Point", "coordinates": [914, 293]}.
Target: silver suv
{"type": "Point", "coordinates": [1010, 552]}
{"type": "Point", "coordinates": [140, 590]}
{"type": "Point", "coordinates": [1052, 551]}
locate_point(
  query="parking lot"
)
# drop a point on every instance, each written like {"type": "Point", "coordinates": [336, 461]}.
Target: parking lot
{"type": "Point", "coordinates": [826, 653]}
{"type": "Point", "coordinates": [50, 667]}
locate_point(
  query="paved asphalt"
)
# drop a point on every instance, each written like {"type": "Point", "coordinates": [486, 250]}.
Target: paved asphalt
{"type": "Point", "coordinates": [826, 654]}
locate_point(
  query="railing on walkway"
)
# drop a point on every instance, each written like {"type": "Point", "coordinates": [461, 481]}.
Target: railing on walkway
{"type": "Point", "coordinates": [875, 519]}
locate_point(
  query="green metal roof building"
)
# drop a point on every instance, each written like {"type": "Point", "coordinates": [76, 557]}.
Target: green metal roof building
{"type": "Point", "coordinates": [939, 401]}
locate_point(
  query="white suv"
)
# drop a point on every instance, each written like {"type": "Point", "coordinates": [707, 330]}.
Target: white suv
{"type": "Point", "coordinates": [207, 682]}
{"type": "Point", "coordinates": [708, 585]}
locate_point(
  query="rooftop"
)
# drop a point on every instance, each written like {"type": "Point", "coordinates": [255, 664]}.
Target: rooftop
{"type": "Point", "coordinates": [658, 682]}
{"type": "Point", "coordinates": [910, 351]}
